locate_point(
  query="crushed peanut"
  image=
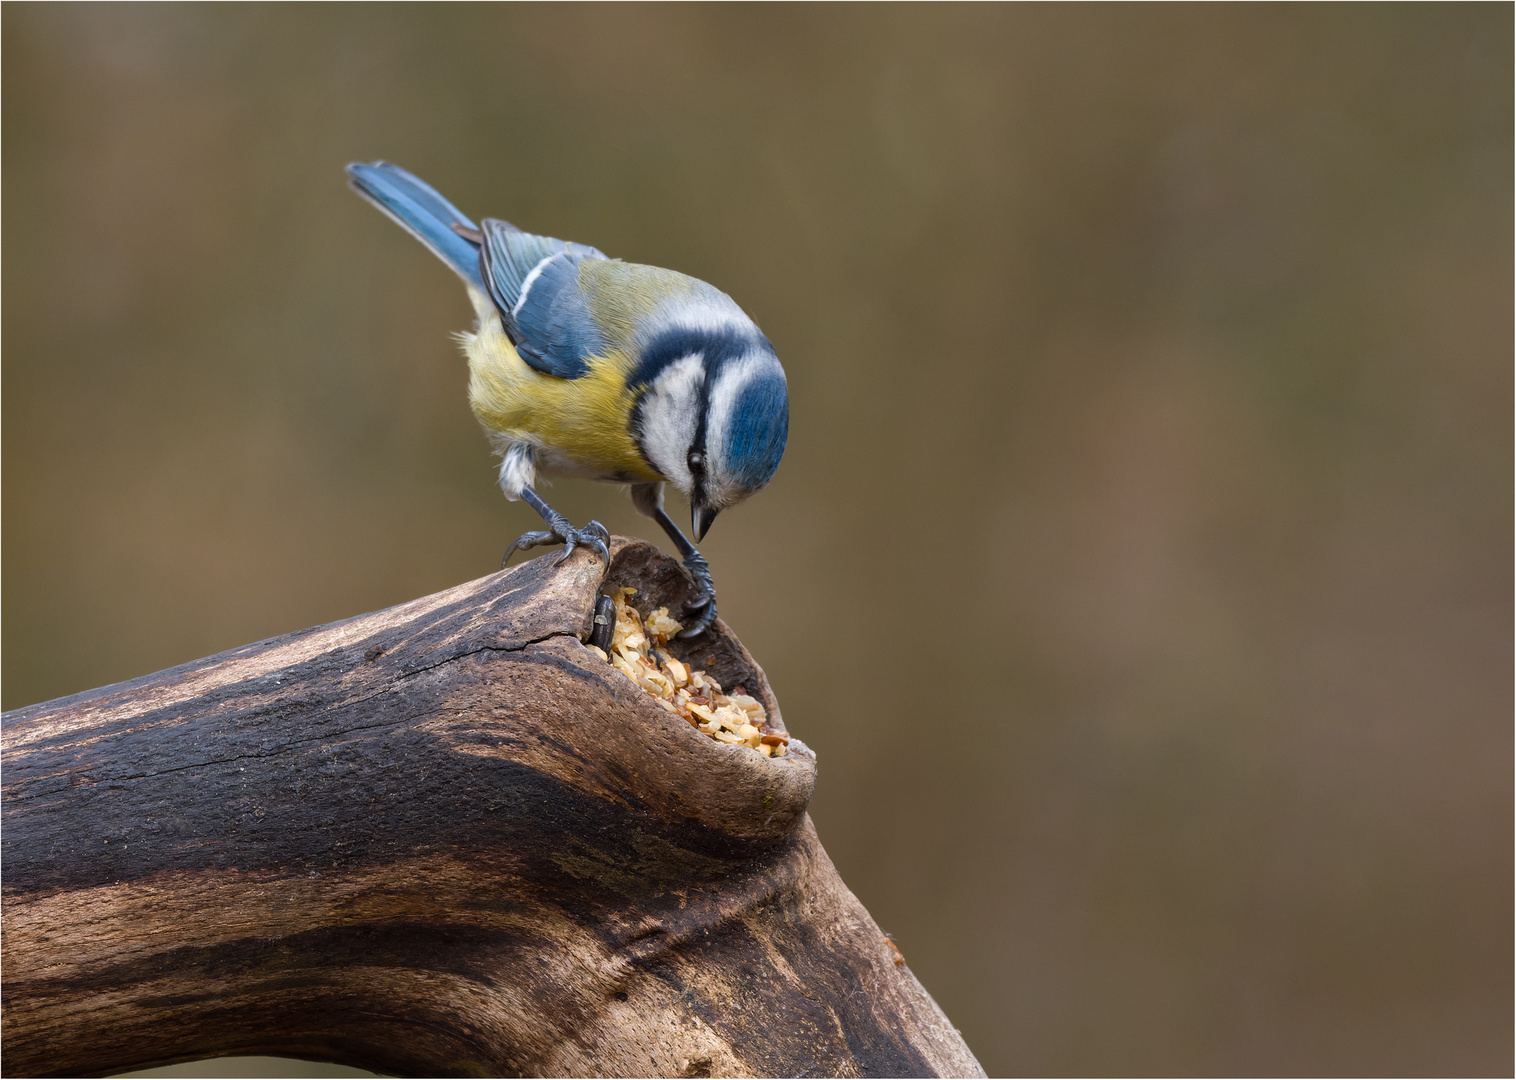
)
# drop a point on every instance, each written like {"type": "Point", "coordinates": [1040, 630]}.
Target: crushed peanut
{"type": "Point", "coordinates": [639, 651]}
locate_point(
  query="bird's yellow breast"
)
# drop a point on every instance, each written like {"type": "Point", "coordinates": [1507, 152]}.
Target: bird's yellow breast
{"type": "Point", "coordinates": [586, 421]}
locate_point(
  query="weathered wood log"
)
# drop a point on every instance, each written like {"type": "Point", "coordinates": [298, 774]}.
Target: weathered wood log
{"type": "Point", "coordinates": [442, 839]}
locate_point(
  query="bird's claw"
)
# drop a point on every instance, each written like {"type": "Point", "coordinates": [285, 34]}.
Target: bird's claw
{"type": "Point", "coordinates": [703, 607]}
{"type": "Point", "coordinates": [559, 531]}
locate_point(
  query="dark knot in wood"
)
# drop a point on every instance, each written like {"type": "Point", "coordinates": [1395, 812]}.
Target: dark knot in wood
{"type": "Point", "coordinates": [441, 839]}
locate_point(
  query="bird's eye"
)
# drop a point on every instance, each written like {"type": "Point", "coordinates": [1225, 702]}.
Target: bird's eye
{"type": "Point", "coordinates": [696, 460]}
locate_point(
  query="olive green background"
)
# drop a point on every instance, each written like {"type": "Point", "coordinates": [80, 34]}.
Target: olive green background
{"type": "Point", "coordinates": [1140, 566]}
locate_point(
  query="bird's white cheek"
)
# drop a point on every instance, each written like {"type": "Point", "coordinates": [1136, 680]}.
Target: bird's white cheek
{"type": "Point", "coordinates": [670, 414]}
{"type": "Point", "coordinates": [666, 438]}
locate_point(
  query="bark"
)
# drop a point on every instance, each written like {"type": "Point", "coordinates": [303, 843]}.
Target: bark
{"type": "Point", "coordinates": [441, 839]}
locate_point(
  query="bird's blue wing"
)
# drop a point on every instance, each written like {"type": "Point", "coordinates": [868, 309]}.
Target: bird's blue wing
{"type": "Point", "coordinates": [422, 212]}
{"type": "Point", "coordinates": [534, 282]}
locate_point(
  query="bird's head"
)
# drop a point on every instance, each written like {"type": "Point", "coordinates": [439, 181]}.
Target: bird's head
{"type": "Point", "coordinates": [712, 416]}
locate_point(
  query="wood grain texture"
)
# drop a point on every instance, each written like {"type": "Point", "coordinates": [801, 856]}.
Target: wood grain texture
{"type": "Point", "coordinates": [441, 839]}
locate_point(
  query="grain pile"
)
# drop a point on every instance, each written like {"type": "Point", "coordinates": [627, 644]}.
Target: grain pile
{"type": "Point", "coordinates": [640, 652]}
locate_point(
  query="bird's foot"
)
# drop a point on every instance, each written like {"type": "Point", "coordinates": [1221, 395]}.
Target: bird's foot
{"type": "Point", "coordinates": [703, 607]}
{"type": "Point", "coordinates": [559, 531]}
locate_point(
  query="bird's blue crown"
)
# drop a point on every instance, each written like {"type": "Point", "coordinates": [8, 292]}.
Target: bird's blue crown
{"type": "Point", "coordinates": [757, 429]}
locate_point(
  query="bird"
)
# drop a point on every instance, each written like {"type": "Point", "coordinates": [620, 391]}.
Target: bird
{"type": "Point", "coordinates": [581, 365]}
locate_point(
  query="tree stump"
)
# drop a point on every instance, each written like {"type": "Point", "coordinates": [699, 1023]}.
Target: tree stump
{"type": "Point", "coordinates": [441, 839]}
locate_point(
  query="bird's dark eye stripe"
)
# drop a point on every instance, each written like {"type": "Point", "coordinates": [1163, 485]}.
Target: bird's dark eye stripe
{"type": "Point", "coordinates": [715, 346]}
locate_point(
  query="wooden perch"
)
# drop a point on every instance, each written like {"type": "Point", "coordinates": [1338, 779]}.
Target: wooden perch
{"type": "Point", "coordinates": [442, 839]}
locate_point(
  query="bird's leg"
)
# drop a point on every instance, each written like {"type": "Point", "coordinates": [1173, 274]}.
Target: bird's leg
{"type": "Point", "coordinates": [559, 531]}
{"type": "Point", "coordinates": [648, 499]}
{"type": "Point", "coordinates": [704, 605]}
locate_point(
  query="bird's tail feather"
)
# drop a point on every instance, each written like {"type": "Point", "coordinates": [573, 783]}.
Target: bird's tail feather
{"type": "Point", "coordinates": [421, 211]}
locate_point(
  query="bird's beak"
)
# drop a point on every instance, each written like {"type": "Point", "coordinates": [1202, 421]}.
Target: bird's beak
{"type": "Point", "coordinates": [701, 518]}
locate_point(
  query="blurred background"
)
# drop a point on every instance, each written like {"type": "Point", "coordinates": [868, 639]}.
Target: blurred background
{"type": "Point", "coordinates": [1140, 567]}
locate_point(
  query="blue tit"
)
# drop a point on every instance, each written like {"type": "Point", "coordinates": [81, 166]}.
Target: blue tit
{"type": "Point", "coordinates": [583, 365]}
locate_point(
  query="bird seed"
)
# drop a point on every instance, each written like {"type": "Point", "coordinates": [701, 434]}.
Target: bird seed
{"type": "Point", "coordinates": [639, 650]}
